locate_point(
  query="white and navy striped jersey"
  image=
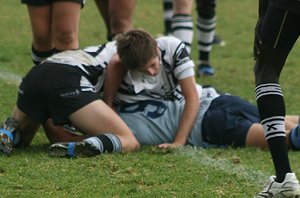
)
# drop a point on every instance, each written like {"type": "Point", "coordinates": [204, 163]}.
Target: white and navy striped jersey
{"type": "Point", "coordinates": [175, 64]}
{"type": "Point", "coordinates": [91, 60]}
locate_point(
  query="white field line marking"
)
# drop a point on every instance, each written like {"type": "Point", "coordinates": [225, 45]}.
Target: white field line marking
{"type": "Point", "coordinates": [10, 77]}
{"type": "Point", "coordinates": [225, 165]}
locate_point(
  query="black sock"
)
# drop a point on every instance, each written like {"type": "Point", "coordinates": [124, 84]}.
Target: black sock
{"type": "Point", "coordinates": [271, 108]}
{"type": "Point", "coordinates": [38, 56]}
{"type": "Point", "coordinates": [106, 143]}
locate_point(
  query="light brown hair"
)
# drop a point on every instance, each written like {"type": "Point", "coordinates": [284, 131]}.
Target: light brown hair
{"type": "Point", "coordinates": [136, 48]}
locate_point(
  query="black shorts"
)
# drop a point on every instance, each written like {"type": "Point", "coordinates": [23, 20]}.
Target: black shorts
{"type": "Point", "coordinates": [47, 2]}
{"type": "Point", "coordinates": [228, 120]}
{"type": "Point", "coordinates": [54, 90]}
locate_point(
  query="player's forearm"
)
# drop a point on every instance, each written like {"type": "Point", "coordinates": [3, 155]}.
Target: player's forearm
{"type": "Point", "coordinates": [113, 79]}
{"type": "Point", "coordinates": [187, 122]}
{"type": "Point", "coordinates": [262, 7]}
{"type": "Point", "coordinates": [190, 111]}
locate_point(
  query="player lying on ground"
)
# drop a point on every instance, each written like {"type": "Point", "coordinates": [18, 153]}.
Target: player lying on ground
{"type": "Point", "coordinates": [222, 121]}
{"type": "Point", "coordinates": [146, 68]}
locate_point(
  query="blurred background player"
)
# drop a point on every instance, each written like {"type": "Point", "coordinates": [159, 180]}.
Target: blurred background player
{"type": "Point", "coordinates": [55, 26]}
{"type": "Point", "coordinates": [178, 22]}
{"type": "Point", "coordinates": [117, 15]}
{"type": "Point", "coordinates": [182, 22]}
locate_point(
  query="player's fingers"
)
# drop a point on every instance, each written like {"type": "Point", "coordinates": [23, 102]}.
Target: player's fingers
{"type": "Point", "coordinates": [164, 145]}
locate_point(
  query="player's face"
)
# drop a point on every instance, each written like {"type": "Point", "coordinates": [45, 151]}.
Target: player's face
{"type": "Point", "coordinates": [153, 66]}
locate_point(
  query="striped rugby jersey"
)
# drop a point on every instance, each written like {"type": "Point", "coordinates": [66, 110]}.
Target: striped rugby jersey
{"type": "Point", "coordinates": [92, 61]}
{"type": "Point", "coordinates": [175, 64]}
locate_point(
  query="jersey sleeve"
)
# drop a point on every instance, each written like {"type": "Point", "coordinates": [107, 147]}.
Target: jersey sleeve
{"type": "Point", "coordinates": [102, 53]}
{"type": "Point", "coordinates": [177, 56]}
{"type": "Point", "coordinates": [183, 65]}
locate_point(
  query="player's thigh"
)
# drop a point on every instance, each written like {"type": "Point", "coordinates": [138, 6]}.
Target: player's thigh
{"type": "Point", "coordinates": [280, 29]}
{"type": "Point", "coordinates": [256, 137]}
{"type": "Point", "coordinates": [97, 118]}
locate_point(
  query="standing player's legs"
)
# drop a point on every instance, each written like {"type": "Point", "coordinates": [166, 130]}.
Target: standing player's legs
{"type": "Point", "coordinates": [182, 22]}
{"type": "Point", "coordinates": [278, 33]}
{"type": "Point", "coordinates": [117, 15]}
{"type": "Point", "coordinates": [168, 14]}
{"type": "Point", "coordinates": [102, 6]}
{"type": "Point", "coordinates": [42, 44]}
{"type": "Point", "coordinates": [54, 27]}
{"type": "Point", "coordinates": [65, 24]}
{"type": "Point", "coordinates": [206, 24]}
{"type": "Point", "coordinates": [121, 15]}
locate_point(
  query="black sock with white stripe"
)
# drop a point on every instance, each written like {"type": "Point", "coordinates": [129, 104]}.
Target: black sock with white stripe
{"type": "Point", "coordinates": [106, 143]}
{"type": "Point", "coordinates": [271, 108]}
{"type": "Point", "coordinates": [206, 31]}
{"type": "Point", "coordinates": [168, 14]}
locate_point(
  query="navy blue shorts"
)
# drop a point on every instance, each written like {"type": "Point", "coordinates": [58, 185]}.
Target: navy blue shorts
{"type": "Point", "coordinates": [228, 120]}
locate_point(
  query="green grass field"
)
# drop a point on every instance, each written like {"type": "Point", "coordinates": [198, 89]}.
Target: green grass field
{"type": "Point", "coordinates": [149, 172]}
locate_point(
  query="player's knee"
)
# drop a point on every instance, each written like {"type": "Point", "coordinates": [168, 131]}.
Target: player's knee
{"type": "Point", "coordinates": [65, 38]}
{"type": "Point", "coordinates": [269, 64]}
{"type": "Point", "coordinates": [130, 144]}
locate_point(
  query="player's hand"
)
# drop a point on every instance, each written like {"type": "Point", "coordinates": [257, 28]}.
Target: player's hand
{"type": "Point", "coordinates": [169, 145]}
{"type": "Point", "coordinates": [257, 48]}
